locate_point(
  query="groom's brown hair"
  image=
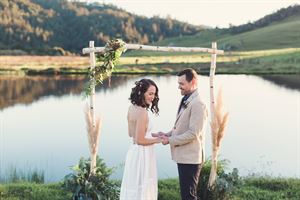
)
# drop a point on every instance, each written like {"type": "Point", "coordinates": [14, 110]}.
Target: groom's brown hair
{"type": "Point", "coordinates": [189, 73]}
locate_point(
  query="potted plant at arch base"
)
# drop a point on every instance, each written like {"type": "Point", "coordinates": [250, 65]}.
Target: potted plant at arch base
{"type": "Point", "coordinates": [94, 186]}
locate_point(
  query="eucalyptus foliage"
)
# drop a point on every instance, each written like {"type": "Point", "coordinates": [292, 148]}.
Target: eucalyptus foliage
{"type": "Point", "coordinates": [105, 63]}
{"type": "Point", "coordinates": [224, 185]}
{"type": "Point", "coordinates": [95, 186]}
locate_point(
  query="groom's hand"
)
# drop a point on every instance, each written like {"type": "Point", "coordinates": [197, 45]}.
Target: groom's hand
{"type": "Point", "coordinates": [165, 140]}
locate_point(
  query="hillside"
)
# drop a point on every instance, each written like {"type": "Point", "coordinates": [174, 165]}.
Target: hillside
{"type": "Point", "coordinates": [279, 15]}
{"type": "Point", "coordinates": [56, 26]}
{"type": "Point", "coordinates": [281, 33]}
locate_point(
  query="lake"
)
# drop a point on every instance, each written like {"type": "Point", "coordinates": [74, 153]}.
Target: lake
{"type": "Point", "coordinates": [42, 123]}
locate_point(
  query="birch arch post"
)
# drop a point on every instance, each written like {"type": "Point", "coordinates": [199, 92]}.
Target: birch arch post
{"type": "Point", "coordinates": [91, 50]}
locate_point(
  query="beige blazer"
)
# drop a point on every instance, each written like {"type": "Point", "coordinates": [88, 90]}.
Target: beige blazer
{"type": "Point", "coordinates": [187, 137]}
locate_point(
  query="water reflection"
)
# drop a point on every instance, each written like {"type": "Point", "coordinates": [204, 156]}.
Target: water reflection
{"type": "Point", "coordinates": [27, 89]}
{"type": "Point", "coordinates": [290, 81]}
{"type": "Point", "coordinates": [50, 134]}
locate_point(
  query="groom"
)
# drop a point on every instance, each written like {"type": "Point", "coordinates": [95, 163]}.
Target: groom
{"type": "Point", "coordinates": [186, 137]}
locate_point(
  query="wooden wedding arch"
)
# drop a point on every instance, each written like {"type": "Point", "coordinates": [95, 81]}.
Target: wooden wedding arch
{"type": "Point", "coordinates": [91, 50]}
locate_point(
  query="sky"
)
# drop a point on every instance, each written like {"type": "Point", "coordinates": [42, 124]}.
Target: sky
{"type": "Point", "coordinates": [212, 13]}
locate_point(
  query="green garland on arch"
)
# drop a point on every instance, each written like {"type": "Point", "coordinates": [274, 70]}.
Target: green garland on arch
{"type": "Point", "coordinates": [105, 63]}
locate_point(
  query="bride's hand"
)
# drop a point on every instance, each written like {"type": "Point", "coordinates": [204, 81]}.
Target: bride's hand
{"type": "Point", "coordinates": [154, 134]}
{"type": "Point", "coordinates": [159, 134]}
{"type": "Point", "coordinates": [165, 140]}
{"type": "Point", "coordinates": [159, 140]}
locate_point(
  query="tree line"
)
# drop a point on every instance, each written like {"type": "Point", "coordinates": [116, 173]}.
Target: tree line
{"type": "Point", "coordinates": [267, 20]}
{"type": "Point", "coordinates": [60, 26]}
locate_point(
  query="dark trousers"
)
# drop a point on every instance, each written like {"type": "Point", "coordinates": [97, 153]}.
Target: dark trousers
{"type": "Point", "coordinates": [188, 180]}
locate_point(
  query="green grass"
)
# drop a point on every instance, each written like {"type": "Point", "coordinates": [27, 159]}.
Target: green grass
{"type": "Point", "coordinates": [268, 188]}
{"type": "Point", "coordinates": [168, 189]}
{"type": "Point", "coordinates": [283, 34]}
{"type": "Point", "coordinates": [283, 61]}
{"type": "Point", "coordinates": [251, 188]}
{"type": "Point", "coordinates": [33, 191]}
{"type": "Point", "coordinates": [272, 61]}
{"type": "Point", "coordinates": [286, 63]}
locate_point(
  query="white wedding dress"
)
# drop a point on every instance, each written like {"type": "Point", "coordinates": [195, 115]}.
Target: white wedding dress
{"type": "Point", "coordinates": [140, 174]}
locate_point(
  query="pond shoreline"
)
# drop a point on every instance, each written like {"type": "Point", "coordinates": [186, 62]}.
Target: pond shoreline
{"type": "Point", "coordinates": [161, 70]}
{"type": "Point", "coordinates": [273, 61]}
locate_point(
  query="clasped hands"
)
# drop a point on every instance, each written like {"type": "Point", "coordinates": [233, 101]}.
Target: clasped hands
{"type": "Point", "coordinates": [164, 137]}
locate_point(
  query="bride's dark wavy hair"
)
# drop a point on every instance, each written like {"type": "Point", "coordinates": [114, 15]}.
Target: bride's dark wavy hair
{"type": "Point", "coordinates": [137, 95]}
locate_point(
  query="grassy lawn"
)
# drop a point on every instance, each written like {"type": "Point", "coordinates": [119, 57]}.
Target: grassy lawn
{"type": "Point", "coordinates": [251, 188]}
{"type": "Point", "coordinates": [268, 188]}
{"type": "Point", "coordinates": [33, 191]}
{"type": "Point", "coordinates": [248, 62]}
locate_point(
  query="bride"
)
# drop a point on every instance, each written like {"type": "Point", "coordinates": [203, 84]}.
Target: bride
{"type": "Point", "coordinates": [140, 177]}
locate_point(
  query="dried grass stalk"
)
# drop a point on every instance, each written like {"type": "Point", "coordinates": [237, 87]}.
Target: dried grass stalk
{"type": "Point", "coordinates": [218, 126]}
{"type": "Point", "coordinates": [93, 133]}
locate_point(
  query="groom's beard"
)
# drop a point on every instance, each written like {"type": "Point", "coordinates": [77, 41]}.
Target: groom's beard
{"type": "Point", "coordinates": [183, 92]}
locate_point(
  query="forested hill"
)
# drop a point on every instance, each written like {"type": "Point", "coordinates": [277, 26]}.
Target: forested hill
{"type": "Point", "coordinates": [277, 16]}
{"type": "Point", "coordinates": [52, 26]}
